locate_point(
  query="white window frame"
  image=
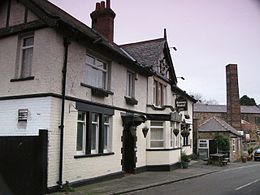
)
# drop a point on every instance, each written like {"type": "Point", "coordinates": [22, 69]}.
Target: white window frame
{"type": "Point", "coordinates": [203, 141]}
{"type": "Point", "coordinates": [157, 140]}
{"type": "Point", "coordinates": [94, 66]}
{"type": "Point", "coordinates": [159, 93]}
{"type": "Point", "coordinates": [83, 134]}
{"type": "Point", "coordinates": [96, 124]}
{"type": "Point", "coordinates": [22, 66]}
{"type": "Point", "coordinates": [130, 84]}
{"type": "Point", "coordinates": [108, 137]}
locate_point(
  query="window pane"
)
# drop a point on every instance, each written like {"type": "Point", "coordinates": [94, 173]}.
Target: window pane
{"type": "Point", "coordinates": [26, 63]}
{"type": "Point", "coordinates": [28, 41]}
{"type": "Point", "coordinates": [156, 134]}
{"type": "Point", "coordinates": [80, 136]}
{"type": "Point", "coordinates": [157, 123]}
{"type": "Point", "coordinates": [154, 93]}
{"type": "Point", "coordinates": [106, 129]}
{"type": "Point", "coordinates": [93, 137]}
{"type": "Point", "coordinates": [90, 60]}
{"type": "Point", "coordinates": [157, 144]}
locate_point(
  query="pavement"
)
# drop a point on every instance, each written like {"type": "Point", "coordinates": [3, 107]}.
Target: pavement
{"type": "Point", "coordinates": [135, 182]}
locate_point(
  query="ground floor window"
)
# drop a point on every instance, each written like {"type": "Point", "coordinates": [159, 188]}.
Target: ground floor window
{"type": "Point", "coordinates": [157, 134]}
{"type": "Point", "coordinates": [185, 141]}
{"type": "Point", "coordinates": [93, 133]}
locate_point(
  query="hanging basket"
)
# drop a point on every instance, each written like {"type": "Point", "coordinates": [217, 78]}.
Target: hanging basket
{"type": "Point", "coordinates": [176, 131]}
{"type": "Point", "coordinates": [185, 133]}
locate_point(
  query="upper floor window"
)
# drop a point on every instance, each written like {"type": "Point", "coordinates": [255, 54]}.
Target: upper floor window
{"type": "Point", "coordinates": [96, 72]}
{"type": "Point", "coordinates": [159, 90]}
{"type": "Point", "coordinates": [26, 56]}
{"type": "Point", "coordinates": [130, 84]}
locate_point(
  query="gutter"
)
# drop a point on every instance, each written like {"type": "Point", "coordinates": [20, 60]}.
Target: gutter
{"type": "Point", "coordinates": [64, 78]}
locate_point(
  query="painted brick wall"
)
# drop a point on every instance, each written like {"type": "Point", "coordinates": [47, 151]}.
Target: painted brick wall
{"type": "Point", "coordinates": [38, 116]}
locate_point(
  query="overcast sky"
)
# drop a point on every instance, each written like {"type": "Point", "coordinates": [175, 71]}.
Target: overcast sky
{"type": "Point", "coordinates": [208, 35]}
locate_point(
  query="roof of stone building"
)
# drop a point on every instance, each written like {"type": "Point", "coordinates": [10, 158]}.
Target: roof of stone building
{"type": "Point", "coordinates": [223, 109]}
{"type": "Point", "coordinates": [146, 53]}
{"type": "Point", "coordinates": [215, 124]}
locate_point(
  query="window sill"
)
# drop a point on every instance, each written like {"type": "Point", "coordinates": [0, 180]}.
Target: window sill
{"type": "Point", "coordinates": [93, 155]}
{"type": "Point", "coordinates": [131, 101]}
{"type": "Point", "coordinates": [162, 149]}
{"type": "Point", "coordinates": [22, 79]}
{"type": "Point", "coordinates": [99, 92]}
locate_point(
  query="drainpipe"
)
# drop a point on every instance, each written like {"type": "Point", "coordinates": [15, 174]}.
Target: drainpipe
{"type": "Point", "coordinates": [64, 75]}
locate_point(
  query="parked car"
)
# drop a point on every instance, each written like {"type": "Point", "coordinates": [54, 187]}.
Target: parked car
{"type": "Point", "coordinates": [257, 155]}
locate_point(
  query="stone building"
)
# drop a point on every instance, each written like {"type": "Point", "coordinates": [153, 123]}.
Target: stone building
{"type": "Point", "coordinates": [244, 119]}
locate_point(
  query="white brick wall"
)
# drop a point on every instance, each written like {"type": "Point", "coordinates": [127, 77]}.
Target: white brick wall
{"type": "Point", "coordinates": [38, 116]}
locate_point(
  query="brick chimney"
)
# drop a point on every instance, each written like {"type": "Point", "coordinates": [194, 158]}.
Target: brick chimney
{"type": "Point", "coordinates": [103, 20]}
{"type": "Point", "coordinates": [233, 103]}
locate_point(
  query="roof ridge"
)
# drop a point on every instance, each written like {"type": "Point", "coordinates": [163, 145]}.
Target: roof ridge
{"type": "Point", "coordinates": [141, 42]}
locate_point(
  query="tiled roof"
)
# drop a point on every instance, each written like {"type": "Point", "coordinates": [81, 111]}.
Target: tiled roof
{"type": "Point", "coordinates": [215, 124]}
{"type": "Point", "coordinates": [147, 53]}
{"type": "Point", "coordinates": [50, 12]}
{"type": "Point", "coordinates": [223, 109]}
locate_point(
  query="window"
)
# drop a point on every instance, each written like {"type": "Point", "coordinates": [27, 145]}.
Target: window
{"type": "Point", "coordinates": [81, 133]}
{"type": "Point", "coordinates": [186, 141]}
{"type": "Point", "coordinates": [234, 145]}
{"type": "Point", "coordinates": [130, 84]}
{"type": "Point", "coordinates": [157, 138]}
{"type": "Point", "coordinates": [94, 133]}
{"type": "Point", "coordinates": [158, 93]}
{"type": "Point", "coordinates": [203, 143]}
{"type": "Point", "coordinates": [93, 138]}
{"type": "Point", "coordinates": [96, 72]}
{"type": "Point", "coordinates": [257, 120]}
{"type": "Point", "coordinates": [26, 56]}
{"type": "Point", "coordinates": [106, 134]}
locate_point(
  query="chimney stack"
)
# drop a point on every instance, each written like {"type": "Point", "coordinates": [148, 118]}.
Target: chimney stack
{"type": "Point", "coordinates": [103, 20]}
{"type": "Point", "coordinates": [233, 101]}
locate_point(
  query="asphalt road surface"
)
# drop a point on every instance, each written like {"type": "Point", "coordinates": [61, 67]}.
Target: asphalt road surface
{"type": "Point", "coordinates": [234, 181]}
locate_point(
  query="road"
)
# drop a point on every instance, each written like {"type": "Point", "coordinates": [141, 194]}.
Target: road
{"type": "Point", "coordinates": [234, 181]}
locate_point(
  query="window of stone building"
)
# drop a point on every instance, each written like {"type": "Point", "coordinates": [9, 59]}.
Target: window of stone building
{"type": "Point", "coordinates": [96, 72]}
{"type": "Point", "coordinates": [234, 145]}
{"type": "Point", "coordinates": [257, 120]}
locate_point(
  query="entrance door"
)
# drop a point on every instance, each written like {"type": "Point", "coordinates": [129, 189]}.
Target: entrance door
{"type": "Point", "coordinates": [129, 155]}
{"type": "Point", "coordinates": [212, 147]}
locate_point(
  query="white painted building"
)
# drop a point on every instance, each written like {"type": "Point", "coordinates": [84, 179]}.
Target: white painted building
{"type": "Point", "coordinates": [97, 119]}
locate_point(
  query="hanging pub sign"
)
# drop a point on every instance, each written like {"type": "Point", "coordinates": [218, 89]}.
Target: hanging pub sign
{"type": "Point", "coordinates": [176, 117]}
{"type": "Point", "coordinates": [181, 104]}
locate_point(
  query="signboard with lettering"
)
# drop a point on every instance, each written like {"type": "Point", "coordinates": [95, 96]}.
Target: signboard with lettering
{"type": "Point", "coordinates": [181, 104]}
{"type": "Point", "coordinates": [176, 117]}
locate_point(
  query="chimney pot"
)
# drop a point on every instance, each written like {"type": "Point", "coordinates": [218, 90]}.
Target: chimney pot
{"type": "Point", "coordinates": [108, 4]}
{"type": "Point", "coordinates": [97, 6]}
{"type": "Point", "coordinates": [102, 4]}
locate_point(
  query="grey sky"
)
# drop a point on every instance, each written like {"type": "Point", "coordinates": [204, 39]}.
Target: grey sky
{"type": "Point", "coordinates": [208, 35]}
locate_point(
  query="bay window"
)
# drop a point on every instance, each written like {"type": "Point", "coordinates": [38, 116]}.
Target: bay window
{"type": "Point", "coordinates": [157, 134]}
